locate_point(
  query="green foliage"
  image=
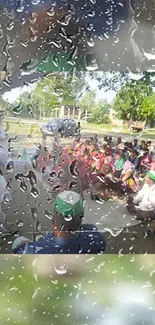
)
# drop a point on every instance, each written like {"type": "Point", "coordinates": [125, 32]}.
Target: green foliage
{"type": "Point", "coordinates": [87, 102]}
{"type": "Point", "coordinates": [128, 101]}
{"type": "Point", "coordinates": [100, 113]}
{"type": "Point", "coordinates": [3, 104]}
{"type": "Point", "coordinates": [56, 90]}
{"type": "Point", "coordinates": [148, 109]}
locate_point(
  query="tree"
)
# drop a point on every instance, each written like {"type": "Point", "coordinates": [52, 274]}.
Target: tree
{"type": "Point", "coordinates": [56, 90]}
{"type": "Point", "coordinates": [88, 102]}
{"type": "Point", "coordinates": [113, 80]}
{"type": "Point", "coordinates": [128, 101]}
{"type": "Point", "coordinates": [148, 109]}
{"type": "Point", "coordinates": [3, 104]}
{"type": "Point", "coordinates": [100, 112]}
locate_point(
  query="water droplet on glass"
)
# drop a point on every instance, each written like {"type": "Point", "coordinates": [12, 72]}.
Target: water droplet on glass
{"type": "Point", "coordinates": [20, 223]}
{"type": "Point", "coordinates": [91, 62]}
{"type": "Point", "coordinates": [65, 20]}
{"type": "Point", "coordinates": [7, 198]}
{"type": "Point", "coordinates": [34, 192]}
{"type": "Point", "coordinates": [60, 269]}
{"type": "Point", "coordinates": [68, 218]}
{"type": "Point", "coordinates": [114, 232]}
{"type": "Point", "coordinates": [31, 177]}
{"type": "Point", "coordinates": [90, 27]}
{"type": "Point", "coordinates": [33, 17]}
{"type": "Point", "coordinates": [53, 175]}
{"type": "Point", "coordinates": [91, 14]}
{"type": "Point", "coordinates": [19, 177]}
{"type": "Point", "coordinates": [35, 293]}
{"type": "Point", "coordinates": [10, 26]}
{"type": "Point", "coordinates": [55, 60]}
{"type": "Point", "coordinates": [39, 237]}
{"type": "Point", "coordinates": [34, 213]}
{"type": "Point", "coordinates": [72, 185]}
{"type": "Point", "coordinates": [90, 40]}
{"type": "Point", "coordinates": [39, 226]}
{"type": "Point", "coordinates": [23, 186]}
{"type": "Point", "coordinates": [10, 14]}
{"type": "Point", "coordinates": [151, 273]}
{"type": "Point", "coordinates": [35, 2]}
{"type": "Point", "coordinates": [51, 11]}
{"type": "Point", "coordinates": [33, 35]}
{"type": "Point", "coordinates": [99, 267]}
{"type": "Point", "coordinates": [48, 215]}
{"type": "Point", "coordinates": [20, 6]}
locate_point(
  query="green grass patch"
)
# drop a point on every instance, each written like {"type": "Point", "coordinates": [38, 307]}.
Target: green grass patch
{"type": "Point", "coordinates": [31, 127]}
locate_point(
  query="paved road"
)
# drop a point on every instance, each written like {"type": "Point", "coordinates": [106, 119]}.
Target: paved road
{"type": "Point", "coordinates": [31, 216]}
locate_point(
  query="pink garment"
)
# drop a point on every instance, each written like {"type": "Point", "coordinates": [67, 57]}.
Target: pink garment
{"type": "Point", "coordinates": [128, 166]}
{"type": "Point", "coordinates": [146, 160]}
{"type": "Point", "coordinates": [108, 160]}
{"type": "Point", "coordinates": [152, 167]}
{"type": "Point", "coordinates": [133, 182]}
{"type": "Point", "coordinates": [100, 161]}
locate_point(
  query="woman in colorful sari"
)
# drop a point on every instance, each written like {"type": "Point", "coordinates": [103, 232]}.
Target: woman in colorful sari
{"type": "Point", "coordinates": [119, 163]}
{"type": "Point", "coordinates": [106, 157]}
{"type": "Point", "coordinates": [129, 179]}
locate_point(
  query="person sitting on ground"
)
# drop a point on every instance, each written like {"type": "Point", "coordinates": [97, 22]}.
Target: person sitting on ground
{"type": "Point", "coordinates": [133, 158]}
{"type": "Point", "coordinates": [142, 145]}
{"type": "Point", "coordinates": [145, 161]}
{"type": "Point", "coordinates": [106, 157]}
{"type": "Point", "coordinates": [69, 235]}
{"type": "Point", "coordinates": [143, 204]}
{"type": "Point", "coordinates": [128, 177]}
{"type": "Point", "coordinates": [150, 147]}
{"type": "Point", "coordinates": [104, 186]}
{"type": "Point", "coordinates": [136, 145]}
{"type": "Point", "coordinates": [119, 163]}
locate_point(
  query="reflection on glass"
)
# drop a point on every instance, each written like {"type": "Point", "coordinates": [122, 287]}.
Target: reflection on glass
{"type": "Point", "coordinates": [85, 132]}
{"type": "Point", "coordinates": [78, 289]}
{"type": "Point", "coordinates": [39, 37]}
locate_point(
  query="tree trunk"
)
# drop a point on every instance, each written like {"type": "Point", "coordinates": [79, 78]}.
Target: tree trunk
{"type": "Point", "coordinates": [79, 116]}
{"type": "Point", "coordinates": [62, 111]}
{"type": "Point", "coordinates": [68, 112]}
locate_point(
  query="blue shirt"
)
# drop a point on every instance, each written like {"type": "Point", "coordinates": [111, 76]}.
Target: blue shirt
{"type": "Point", "coordinates": [87, 241]}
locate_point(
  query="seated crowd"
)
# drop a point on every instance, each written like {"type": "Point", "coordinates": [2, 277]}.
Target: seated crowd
{"type": "Point", "coordinates": [111, 171]}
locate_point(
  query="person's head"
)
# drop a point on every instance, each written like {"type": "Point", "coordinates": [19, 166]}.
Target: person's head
{"type": "Point", "coordinates": [149, 143]}
{"type": "Point", "coordinates": [68, 213]}
{"type": "Point", "coordinates": [145, 151]}
{"type": "Point", "coordinates": [135, 141]}
{"type": "Point", "coordinates": [133, 155]}
{"type": "Point", "coordinates": [108, 151]}
{"type": "Point", "coordinates": [150, 178]}
{"type": "Point", "coordinates": [130, 146]}
{"type": "Point", "coordinates": [94, 147]}
{"type": "Point", "coordinates": [110, 140]}
{"type": "Point", "coordinates": [106, 169]}
{"type": "Point", "coordinates": [119, 140]}
{"type": "Point", "coordinates": [87, 143]}
{"type": "Point", "coordinates": [79, 124]}
{"type": "Point", "coordinates": [142, 144]}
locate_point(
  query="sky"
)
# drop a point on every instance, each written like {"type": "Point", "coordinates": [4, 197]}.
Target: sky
{"type": "Point", "coordinates": [12, 95]}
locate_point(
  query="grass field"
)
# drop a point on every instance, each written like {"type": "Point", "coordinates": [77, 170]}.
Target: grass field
{"type": "Point", "coordinates": [32, 127]}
